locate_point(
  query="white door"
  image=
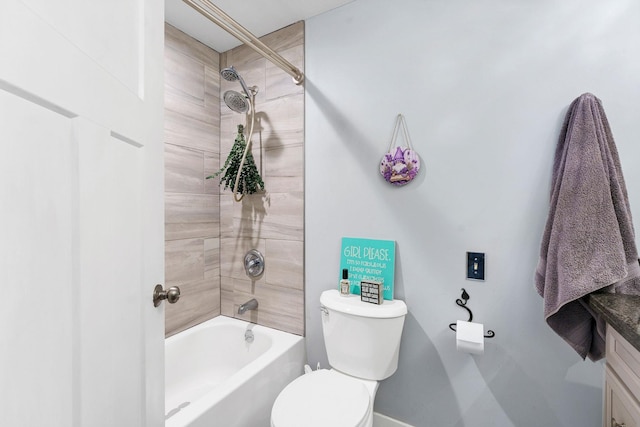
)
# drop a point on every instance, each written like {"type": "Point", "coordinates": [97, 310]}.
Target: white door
{"type": "Point", "coordinates": [81, 213]}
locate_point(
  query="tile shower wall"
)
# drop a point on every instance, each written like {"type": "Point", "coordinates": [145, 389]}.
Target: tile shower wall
{"type": "Point", "coordinates": [272, 222]}
{"type": "Point", "coordinates": [199, 219]}
{"type": "Point", "coordinates": [192, 147]}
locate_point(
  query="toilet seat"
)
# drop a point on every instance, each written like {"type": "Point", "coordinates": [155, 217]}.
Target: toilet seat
{"type": "Point", "coordinates": [322, 398]}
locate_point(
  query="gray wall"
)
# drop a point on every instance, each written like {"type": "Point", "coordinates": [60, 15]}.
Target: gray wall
{"type": "Point", "coordinates": [484, 86]}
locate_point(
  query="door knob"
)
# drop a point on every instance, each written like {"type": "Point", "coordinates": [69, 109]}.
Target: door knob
{"type": "Point", "coordinates": [172, 295]}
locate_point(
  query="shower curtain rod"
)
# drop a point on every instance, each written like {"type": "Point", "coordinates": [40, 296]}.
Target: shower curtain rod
{"type": "Point", "coordinates": [227, 23]}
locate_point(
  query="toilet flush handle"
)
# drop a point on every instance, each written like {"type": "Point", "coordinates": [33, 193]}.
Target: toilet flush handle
{"type": "Point", "coordinates": [324, 310]}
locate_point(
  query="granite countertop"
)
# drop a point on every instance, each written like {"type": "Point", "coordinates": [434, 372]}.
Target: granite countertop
{"type": "Point", "coordinates": [622, 312]}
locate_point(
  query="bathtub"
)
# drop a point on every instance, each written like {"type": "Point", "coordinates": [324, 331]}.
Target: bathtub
{"type": "Point", "coordinates": [215, 377]}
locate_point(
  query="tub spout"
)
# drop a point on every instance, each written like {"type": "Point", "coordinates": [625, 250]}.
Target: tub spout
{"type": "Point", "coordinates": [252, 304]}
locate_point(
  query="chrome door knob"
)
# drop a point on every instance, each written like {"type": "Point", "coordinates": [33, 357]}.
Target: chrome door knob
{"type": "Point", "coordinates": [172, 295]}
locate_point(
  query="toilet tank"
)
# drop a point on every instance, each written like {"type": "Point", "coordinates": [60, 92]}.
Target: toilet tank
{"type": "Point", "coordinates": [362, 339]}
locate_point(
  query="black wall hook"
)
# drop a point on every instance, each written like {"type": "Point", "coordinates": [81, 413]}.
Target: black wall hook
{"type": "Point", "coordinates": [462, 302]}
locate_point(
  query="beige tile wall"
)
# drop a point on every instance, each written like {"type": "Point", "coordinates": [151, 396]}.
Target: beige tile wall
{"type": "Point", "coordinates": [192, 204]}
{"type": "Point", "coordinates": [207, 233]}
{"type": "Point", "coordinates": [272, 222]}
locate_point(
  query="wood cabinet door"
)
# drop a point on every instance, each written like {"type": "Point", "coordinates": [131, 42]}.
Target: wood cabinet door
{"type": "Point", "coordinates": [621, 407]}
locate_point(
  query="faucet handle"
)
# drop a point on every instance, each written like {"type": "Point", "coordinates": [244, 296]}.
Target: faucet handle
{"type": "Point", "coordinates": [254, 263]}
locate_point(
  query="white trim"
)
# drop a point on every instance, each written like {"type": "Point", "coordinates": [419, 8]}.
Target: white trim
{"type": "Point", "coordinates": [380, 420]}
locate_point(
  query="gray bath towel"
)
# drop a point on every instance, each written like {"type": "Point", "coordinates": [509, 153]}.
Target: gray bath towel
{"type": "Point", "coordinates": [588, 243]}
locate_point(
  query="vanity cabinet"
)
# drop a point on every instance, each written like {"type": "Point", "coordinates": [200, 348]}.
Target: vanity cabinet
{"type": "Point", "coordinates": [622, 382]}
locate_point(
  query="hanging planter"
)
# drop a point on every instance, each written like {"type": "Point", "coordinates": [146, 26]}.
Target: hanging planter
{"type": "Point", "coordinates": [248, 178]}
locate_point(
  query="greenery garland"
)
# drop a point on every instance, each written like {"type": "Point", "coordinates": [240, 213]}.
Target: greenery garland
{"type": "Point", "coordinates": [250, 179]}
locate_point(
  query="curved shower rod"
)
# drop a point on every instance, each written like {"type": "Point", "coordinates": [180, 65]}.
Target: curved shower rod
{"type": "Point", "coordinates": [227, 23]}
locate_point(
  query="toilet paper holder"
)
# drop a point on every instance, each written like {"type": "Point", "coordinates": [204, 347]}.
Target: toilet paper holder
{"type": "Point", "coordinates": [462, 302]}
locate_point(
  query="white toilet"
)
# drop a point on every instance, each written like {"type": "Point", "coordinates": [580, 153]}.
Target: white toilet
{"type": "Point", "coordinates": [362, 341]}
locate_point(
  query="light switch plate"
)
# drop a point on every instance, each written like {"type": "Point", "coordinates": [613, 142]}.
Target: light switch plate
{"type": "Point", "coordinates": [475, 265]}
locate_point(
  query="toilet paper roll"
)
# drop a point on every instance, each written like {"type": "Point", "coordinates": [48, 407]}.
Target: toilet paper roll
{"type": "Point", "coordinates": [470, 337]}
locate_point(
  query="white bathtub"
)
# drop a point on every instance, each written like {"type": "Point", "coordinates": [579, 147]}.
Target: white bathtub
{"type": "Point", "coordinates": [214, 377]}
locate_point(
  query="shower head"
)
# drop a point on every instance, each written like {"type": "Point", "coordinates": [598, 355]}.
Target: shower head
{"type": "Point", "coordinates": [230, 74]}
{"type": "Point", "coordinates": [236, 101]}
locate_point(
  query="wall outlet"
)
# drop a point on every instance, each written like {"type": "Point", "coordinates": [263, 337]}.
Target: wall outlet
{"type": "Point", "coordinates": [475, 265]}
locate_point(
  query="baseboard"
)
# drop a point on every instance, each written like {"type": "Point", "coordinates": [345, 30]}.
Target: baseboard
{"type": "Point", "coordinates": [380, 420]}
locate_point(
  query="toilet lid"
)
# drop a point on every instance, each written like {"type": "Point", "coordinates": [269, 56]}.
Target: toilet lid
{"type": "Point", "coordinates": [319, 399]}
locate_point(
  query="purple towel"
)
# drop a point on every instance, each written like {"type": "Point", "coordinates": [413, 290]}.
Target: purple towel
{"type": "Point", "coordinates": [588, 243]}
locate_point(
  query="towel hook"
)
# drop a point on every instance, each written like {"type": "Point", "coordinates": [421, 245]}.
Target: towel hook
{"type": "Point", "coordinates": [465, 296]}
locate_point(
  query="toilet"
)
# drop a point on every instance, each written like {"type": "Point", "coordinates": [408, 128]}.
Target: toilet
{"type": "Point", "coordinates": [363, 342]}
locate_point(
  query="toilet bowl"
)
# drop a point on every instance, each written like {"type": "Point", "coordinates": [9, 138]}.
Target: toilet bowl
{"type": "Point", "coordinates": [325, 398]}
{"type": "Point", "coordinates": [362, 342]}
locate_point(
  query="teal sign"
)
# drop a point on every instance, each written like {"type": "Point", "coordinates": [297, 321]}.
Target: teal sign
{"type": "Point", "coordinates": [368, 259]}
